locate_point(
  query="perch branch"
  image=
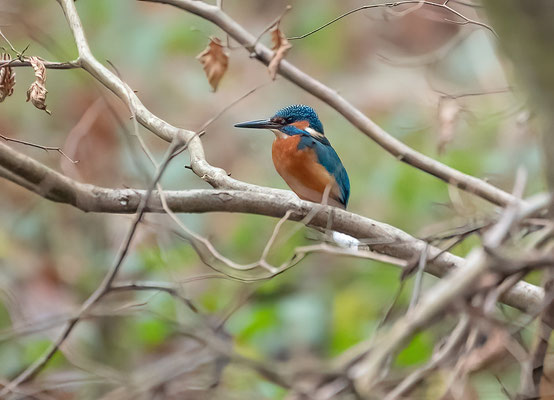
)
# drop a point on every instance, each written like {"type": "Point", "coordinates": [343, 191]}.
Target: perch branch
{"type": "Point", "coordinates": [389, 240]}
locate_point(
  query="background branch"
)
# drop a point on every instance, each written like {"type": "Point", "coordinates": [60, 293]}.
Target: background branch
{"type": "Point", "coordinates": [305, 81]}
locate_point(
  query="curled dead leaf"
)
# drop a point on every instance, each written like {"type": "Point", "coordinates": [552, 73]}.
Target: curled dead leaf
{"type": "Point", "coordinates": [37, 91]}
{"type": "Point", "coordinates": [280, 47]}
{"type": "Point", "coordinates": [7, 78]}
{"type": "Point", "coordinates": [215, 62]}
{"type": "Point", "coordinates": [449, 111]}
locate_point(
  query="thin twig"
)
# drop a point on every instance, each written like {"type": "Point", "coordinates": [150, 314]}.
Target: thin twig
{"type": "Point", "coordinates": [274, 234]}
{"type": "Point", "coordinates": [275, 22]}
{"type": "Point", "coordinates": [156, 286]}
{"type": "Point", "coordinates": [398, 149]}
{"type": "Point", "coordinates": [418, 281]}
{"type": "Point", "coordinates": [533, 368]}
{"type": "Point", "coordinates": [39, 146]}
{"type": "Point", "coordinates": [444, 352]}
{"type": "Point", "coordinates": [475, 94]}
{"type": "Point", "coordinates": [229, 106]}
{"type": "Point", "coordinates": [459, 283]}
{"type": "Point", "coordinates": [465, 20]}
{"type": "Point", "coordinates": [48, 64]}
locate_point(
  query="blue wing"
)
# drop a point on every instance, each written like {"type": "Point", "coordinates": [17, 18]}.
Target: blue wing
{"type": "Point", "coordinates": [329, 158]}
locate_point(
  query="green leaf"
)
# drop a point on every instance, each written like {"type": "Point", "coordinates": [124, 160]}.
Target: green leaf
{"type": "Point", "coordinates": [152, 332]}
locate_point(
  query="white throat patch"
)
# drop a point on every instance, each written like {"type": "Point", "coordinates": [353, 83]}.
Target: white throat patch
{"type": "Point", "coordinates": [279, 135]}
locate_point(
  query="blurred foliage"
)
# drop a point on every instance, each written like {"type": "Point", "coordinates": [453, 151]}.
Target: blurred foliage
{"type": "Point", "coordinates": [53, 256]}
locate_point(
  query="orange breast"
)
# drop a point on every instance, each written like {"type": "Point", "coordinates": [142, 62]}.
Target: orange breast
{"type": "Point", "coordinates": [301, 171]}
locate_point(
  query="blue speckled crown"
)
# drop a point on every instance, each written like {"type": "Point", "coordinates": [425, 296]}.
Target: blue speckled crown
{"type": "Point", "coordinates": [300, 112]}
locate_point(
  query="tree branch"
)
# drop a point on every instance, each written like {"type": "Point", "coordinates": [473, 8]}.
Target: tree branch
{"type": "Point", "coordinates": [39, 146]}
{"type": "Point", "coordinates": [459, 284]}
{"type": "Point", "coordinates": [464, 19]}
{"type": "Point", "coordinates": [263, 201]}
{"type": "Point", "coordinates": [395, 147]}
{"type": "Point", "coordinates": [106, 284]}
{"type": "Point", "coordinates": [48, 64]}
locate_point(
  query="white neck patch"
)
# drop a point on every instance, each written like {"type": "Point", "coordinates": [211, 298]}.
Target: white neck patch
{"type": "Point", "coordinates": [314, 133]}
{"type": "Point", "coordinates": [279, 135]}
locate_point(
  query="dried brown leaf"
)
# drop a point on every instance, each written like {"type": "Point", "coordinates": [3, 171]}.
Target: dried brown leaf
{"type": "Point", "coordinates": [7, 78]}
{"type": "Point", "coordinates": [449, 111]}
{"type": "Point", "coordinates": [215, 62]}
{"type": "Point", "coordinates": [37, 92]}
{"type": "Point", "coordinates": [280, 47]}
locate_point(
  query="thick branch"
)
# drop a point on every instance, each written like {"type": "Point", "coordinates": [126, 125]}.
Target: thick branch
{"type": "Point", "coordinates": [395, 147]}
{"type": "Point", "coordinates": [263, 201]}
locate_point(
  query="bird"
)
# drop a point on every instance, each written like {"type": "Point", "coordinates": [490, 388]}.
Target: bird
{"type": "Point", "coordinates": [304, 157]}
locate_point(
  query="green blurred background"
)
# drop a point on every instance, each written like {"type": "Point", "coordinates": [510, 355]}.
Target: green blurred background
{"type": "Point", "coordinates": [394, 68]}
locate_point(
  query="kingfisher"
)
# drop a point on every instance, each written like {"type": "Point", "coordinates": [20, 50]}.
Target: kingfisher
{"type": "Point", "coordinates": [304, 157]}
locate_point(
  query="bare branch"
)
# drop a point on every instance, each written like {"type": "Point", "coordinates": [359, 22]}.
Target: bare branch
{"type": "Point", "coordinates": [461, 282]}
{"type": "Point", "coordinates": [172, 290]}
{"type": "Point", "coordinates": [48, 64]}
{"type": "Point", "coordinates": [39, 146]}
{"type": "Point", "coordinates": [386, 239]}
{"type": "Point", "coordinates": [30, 372]}
{"type": "Point", "coordinates": [454, 340]}
{"type": "Point", "coordinates": [392, 145]}
{"type": "Point", "coordinates": [419, 3]}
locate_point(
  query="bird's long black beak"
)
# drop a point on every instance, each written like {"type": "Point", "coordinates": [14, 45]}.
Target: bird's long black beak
{"type": "Point", "coordinates": [259, 124]}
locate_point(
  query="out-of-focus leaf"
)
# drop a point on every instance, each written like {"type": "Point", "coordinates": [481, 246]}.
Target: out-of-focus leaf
{"type": "Point", "coordinates": [36, 348]}
{"type": "Point", "coordinates": [280, 46]}
{"type": "Point", "coordinates": [305, 317]}
{"type": "Point", "coordinates": [152, 258]}
{"type": "Point", "coordinates": [350, 306]}
{"type": "Point", "coordinates": [215, 62]}
{"type": "Point", "coordinates": [449, 111]}
{"type": "Point", "coordinates": [419, 350]}
{"type": "Point", "coordinates": [152, 331]}
{"type": "Point", "coordinates": [250, 321]}
{"type": "Point", "coordinates": [11, 359]}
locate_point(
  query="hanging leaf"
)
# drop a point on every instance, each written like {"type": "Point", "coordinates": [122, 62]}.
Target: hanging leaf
{"type": "Point", "coordinates": [7, 78]}
{"type": "Point", "coordinates": [215, 62]}
{"type": "Point", "coordinates": [280, 47]}
{"type": "Point", "coordinates": [37, 92]}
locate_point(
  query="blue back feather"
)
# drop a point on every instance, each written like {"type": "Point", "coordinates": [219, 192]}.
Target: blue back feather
{"type": "Point", "coordinates": [328, 157]}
